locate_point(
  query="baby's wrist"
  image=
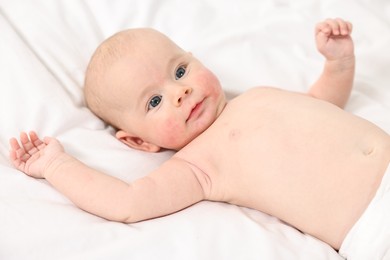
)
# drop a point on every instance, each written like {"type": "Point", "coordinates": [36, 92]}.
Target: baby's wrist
{"type": "Point", "coordinates": [61, 161]}
{"type": "Point", "coordinates": [341, 64]}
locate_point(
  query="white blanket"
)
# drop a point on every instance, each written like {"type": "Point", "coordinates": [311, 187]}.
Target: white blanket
{"type": "Point", "coordinates": [44, 50]}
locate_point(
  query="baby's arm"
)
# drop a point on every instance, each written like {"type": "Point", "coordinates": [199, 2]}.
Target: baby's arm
{"type": "Point", "coordinates": [334, 42]}
{"type": "Point", "coordinates": [168, 189]}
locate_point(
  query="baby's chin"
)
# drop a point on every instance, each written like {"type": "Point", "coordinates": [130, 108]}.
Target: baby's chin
{"type": "Point", "coordinates": [181, 145]}
{"type": "Point", "coordinates": [187, 141]}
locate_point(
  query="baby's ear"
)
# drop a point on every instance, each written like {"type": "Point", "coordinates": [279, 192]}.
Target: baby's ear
{"type": "Point", "coordinates": [136, 142]}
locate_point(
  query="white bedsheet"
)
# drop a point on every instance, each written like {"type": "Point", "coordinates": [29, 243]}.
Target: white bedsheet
{"type": "Point", "coordinates": [44, 49]}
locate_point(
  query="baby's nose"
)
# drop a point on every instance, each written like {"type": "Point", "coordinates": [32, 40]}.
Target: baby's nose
{"type": "Point", "coordinates": [181, 94]}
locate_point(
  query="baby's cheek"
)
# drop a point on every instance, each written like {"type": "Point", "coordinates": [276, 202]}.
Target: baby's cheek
{"type": "Point", "coordinates": [171, 133]}
{"type": "Point", "coordinates": [210, 81]}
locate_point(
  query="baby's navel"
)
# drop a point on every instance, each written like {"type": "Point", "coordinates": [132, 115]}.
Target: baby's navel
{"type": "Point", "coordinates": [369, 150]}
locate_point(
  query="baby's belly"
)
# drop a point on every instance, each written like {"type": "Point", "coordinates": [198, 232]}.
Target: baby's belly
{"type": "Point", "coordinates": [321, 191]}
{"type": "Point", "coordinates": [315, 167]}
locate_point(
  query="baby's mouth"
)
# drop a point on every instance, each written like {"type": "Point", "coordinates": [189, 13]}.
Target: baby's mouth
{"type": "Point", "coordinates": [195, 112]}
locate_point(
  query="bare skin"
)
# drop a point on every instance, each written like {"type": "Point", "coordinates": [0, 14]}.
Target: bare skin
{"type": "Point", "coordinates": [298, 157]}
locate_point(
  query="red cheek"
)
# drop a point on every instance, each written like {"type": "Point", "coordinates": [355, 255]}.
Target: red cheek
{"type": "Point", "coordinates": [170, 133]}
{"type": "Point", "coordinates": [208, 79]}
{"type": "Point", "coordinates": [171, 124]}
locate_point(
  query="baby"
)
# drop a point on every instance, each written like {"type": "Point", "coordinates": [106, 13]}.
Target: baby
{"type": "Point", "coordinates": [298, 157]}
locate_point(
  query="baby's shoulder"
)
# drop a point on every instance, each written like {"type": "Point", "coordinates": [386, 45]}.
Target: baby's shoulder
{"type": "Point", "coordinates": [263, 90]}
{"type": "Point", "coordinates": [260, 93]}
{"type": "Point", "coordinates": [272, 94]}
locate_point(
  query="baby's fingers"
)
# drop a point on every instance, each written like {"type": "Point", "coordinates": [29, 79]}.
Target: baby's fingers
{"type": "Point", "coordinates": [334, 27]}
{"type": "Point", "coordinates": [17, 154]}
{"type": "Point", "coordinates": [344, 27]}
{"type": "Point", "coordinates": [324, 28]}
{"type": "Point", "coordinates": [31, 143]}
{"type": "Point", "coordinates": [16, 161]}
{"type": "Point", "coordinates": [14, 144]}
{"type": "Point", "coordinates": [27, 144]}
{"type": "Point", "coordinates": [19, 151]}
{"type": "Point", "coordinates": [349, 26]}
{"type": "Point", "coordinates": [36, 141]}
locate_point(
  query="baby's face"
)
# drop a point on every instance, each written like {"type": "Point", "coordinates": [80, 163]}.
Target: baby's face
{"type": "Point", "coordinates": [168, 96]}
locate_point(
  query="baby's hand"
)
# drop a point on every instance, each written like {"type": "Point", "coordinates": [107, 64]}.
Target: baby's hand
{"type": "Point", "coordinates": [333, 39]}
{"type": "Point", "coordinates": [34, 156]}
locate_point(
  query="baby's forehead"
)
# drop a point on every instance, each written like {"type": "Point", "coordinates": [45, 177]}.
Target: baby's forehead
{"type": "Point", "coordinates": [136, 50]}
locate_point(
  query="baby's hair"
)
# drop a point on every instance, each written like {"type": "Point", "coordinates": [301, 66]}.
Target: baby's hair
{"type": "Point", "coordinates": [95, 87]}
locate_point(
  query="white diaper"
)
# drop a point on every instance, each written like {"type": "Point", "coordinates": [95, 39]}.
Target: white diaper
{"type": "Point", "coordinates": [369, 238]}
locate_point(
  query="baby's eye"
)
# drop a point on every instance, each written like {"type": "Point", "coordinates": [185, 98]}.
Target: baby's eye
{"type": "Point", "coordinates": [180, 72]}
{"type": "Point", "coordinates": [154, 102]}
